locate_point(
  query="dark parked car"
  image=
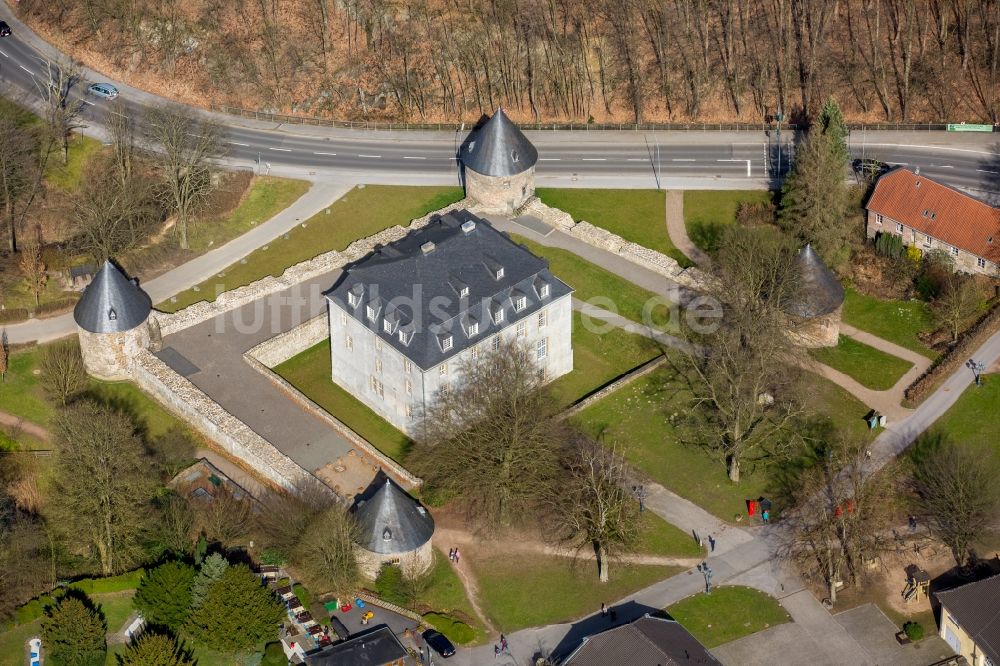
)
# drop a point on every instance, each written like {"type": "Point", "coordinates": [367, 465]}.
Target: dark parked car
{"type": "Point", "coordinates": [4, 29]}
{"type": "Point", "coordinates": [869, 168]}
{"type": "Point", "coordinates": [440, 644]}
{"type": "Point", "coordinates": [337, 627]}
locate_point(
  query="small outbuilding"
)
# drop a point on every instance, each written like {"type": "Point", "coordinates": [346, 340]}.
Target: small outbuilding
{"type": "Point", "coordinates": [499, 163]}
{"type": "Point", "coordinates": [111, 318]}
{"type": "Point", "coordinates": [393, 528]}
{"type": "Point", "coordinates": [816, 308]}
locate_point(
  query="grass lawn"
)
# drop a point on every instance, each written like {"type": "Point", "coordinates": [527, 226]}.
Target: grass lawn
{"type": "Point", "coordinates": [359, 213]}
{"type": "Point", "coordinates": [68, 176]}
{"type": "Point", "coordinates": [963, 422]}
{"type": "Point", "coordinates": [20, 393]}
{"type": "Point", "coordinates": [637, 417]}
{"type": "Point", "coordinates": [446, 595]}
{"type": "Point", "coordinates": [18, 295]}
{"type": "Point", "coordinates": [520, 590]}
{"type": "Point", "coordinates": [266, 197]}
{"type": "Point", "coordinates": [116, 608]}
{"type": "Point", "coordinates": [154, 419]}
{"type": "Point", "coordinates": [309, 372]}
{"type": "Point", "coordinates": [13, 639]}
{"type": "Point", "coordinates": [728, 613]}
{"type": "Point", "coordinates": [870, 367]}
{"type": "Point", "coordinates": [591, 281]}
{"type": "Point", "coordinates": [658, 537]}
{"type": "Point", "coordinates": [895, 321]}
{"type": "Point", "coordinates": [635, 215]}
{"type": "Point", "coordinates": [708, 212]}
{"type": "Point", "coordinates": [600, 358]}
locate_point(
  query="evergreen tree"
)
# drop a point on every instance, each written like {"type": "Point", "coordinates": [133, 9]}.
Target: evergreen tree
{"type": "Point", "coordinates": [211, 570]}
{"type": "Point", "coordinates": [164, 595]}
{"type": "Point", "coordinates": [73, 632]}
{"type": "Point", "coordinates": [814, 199]}
{"type": "Point", "coordinates": [832, 122]}
{"type": "Point", "coordinates": [237, 614]}
{"type": "Point", "coordinates": [152, 649]}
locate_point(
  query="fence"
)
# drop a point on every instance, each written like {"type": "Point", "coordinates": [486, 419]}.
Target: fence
{"type": "Point", "coordinates": [387, 125]}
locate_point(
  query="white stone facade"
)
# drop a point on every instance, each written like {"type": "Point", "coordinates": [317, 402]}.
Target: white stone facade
{"type": "Point", "coordinates": [399, 390]}
{"type": "Point", "coordinates": [500, 194]}
{"type": "Point", "coordinates": [110, 356]}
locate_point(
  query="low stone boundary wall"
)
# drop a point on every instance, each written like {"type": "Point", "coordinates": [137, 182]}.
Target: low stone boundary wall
{"type": "Point", "coordinates": [365, 448]}
{"type": "Point", "coordinates": [375, 601]}
{"type": "Point", "coordinates": [948, 362]}
{"type": "Point", "coordinates": [187, 401]}
{"type": "Point", "coordinates": [603, 239]}
{"type": "Point", "coordinates": [285, 345]}
{"type": "Point", "coordinates": [621, 382]}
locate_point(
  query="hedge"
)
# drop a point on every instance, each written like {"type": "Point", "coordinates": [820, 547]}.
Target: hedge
{"type": "Point", "coordinates": [456, 630]}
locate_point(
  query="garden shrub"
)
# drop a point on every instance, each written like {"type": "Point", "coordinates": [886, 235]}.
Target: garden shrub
{"type": "Point", "coordinates": [456, 630]}
{"type": "Point", "coordinates": [889, 245]}
{"type": "Point", "coordinates": [274, 655]}
{"type": "Point", "coordinates": [390, 586]}
{"type": "Point", "coordinates": [913, 630]}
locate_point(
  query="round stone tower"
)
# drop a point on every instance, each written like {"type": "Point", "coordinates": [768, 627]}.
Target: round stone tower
{"type": "Point", "coordinates": [111, 322]}
{"type": "Point", "coordinates": [815, 312]}
{"type": "Point", "coordinates": [499, 165]}
{"type": "Point", "coordinates": [393, 528]}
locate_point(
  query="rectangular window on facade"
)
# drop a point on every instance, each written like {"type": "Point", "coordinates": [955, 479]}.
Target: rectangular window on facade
{"type": "Point", "coordinates": [370, 312]}
{"type": "Point", "coordinates": [522, 329]}
{"type": "Point", "coordinates": [387, 326]}
{"type": "Point", "coordinates": [980, 262]}
{"type": "Point", "coordinates": [520, 303]}
{"type": "Point", "coordinates": [496, 343]}
{"type": "Point", "coordinates": [544, 291]}
{"type": "Point", "coordinates": [443, 369]}
{"type": "Point", "coordinates": [378, 344]}
{"type": "Point", "coordinates": [445, 387]}
{"type": "Point", "coordinates": [899, 228]}
{"type": "Point", "coordinates": [378, 365]}
{"type": "Point", "coordinates": [954, 251]}
{"type": "Point", "coordinates": [542, 348]}
{"type": "Point", "coordinates": [343, 318]}
{"type": "Point", "coordinates": [447, 343]}
{"type": "Point", "coordinates": [499, 273]}
{"type": "Point", "coordinates": [377, 387]}
{"type": "Point", "coordinates": [543, 319]}
{"type": "Point", "coordinates": [473, 328]}
{"type": "Point", "coordinates": [407, 365]}
{"type": "Point", "coordinates": [475, 352]}
{"type": "Point", "coordinates": [408, 387]}
{"type": "Point", "coordinates": [878, 218]}
{"type": "Point", "coordinates": [349, 342]}
{"type": "Point", "coordinates": [353, 299]}
{"type": "Point", "coordinates": [927, 241]}
{"type": "Point", "coordinates": [409, 411]}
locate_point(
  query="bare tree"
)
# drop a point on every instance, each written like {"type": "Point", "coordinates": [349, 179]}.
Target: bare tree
{"type": "Point", "coordinates": [4, 356]}
{"type": "Point", "coordinates": [956, 491]}
{"type": "Point", "coordinates": [958, 302]}
{"type": "Point", "coordinates": [187, 146]}
{"type": "Point", "coordinates": [491, 439]}
{"type": "Point", "coordinates": [31, 265]}
{"type": "Point", "coordinates": [62, 109]}
{"type": "Point", "coordinates": [121, 127]}
{"type": "Point", "coordinates": [842, 515]}
{"type": "Point", "coordinates": [591, 506]}
{"type": "Point", "coordinates": [63, 376]}
{"type": "Point", "coordinates": [224, 518]}
{"type": "Point", "coordinates": [742, 405]}
{"type": "Point", "coordinates": [22, 164]}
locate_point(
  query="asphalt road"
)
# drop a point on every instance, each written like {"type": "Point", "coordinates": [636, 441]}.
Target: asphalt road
{"type": "Point", "coordinates": [611, 158]}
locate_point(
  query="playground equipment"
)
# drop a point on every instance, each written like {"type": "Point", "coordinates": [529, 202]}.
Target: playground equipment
{"type": "Point", "coordinates": [918, 583]}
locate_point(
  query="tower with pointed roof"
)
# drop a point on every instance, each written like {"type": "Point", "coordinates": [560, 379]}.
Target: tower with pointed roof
{"type": "Point", "coordinates": [815, 311]}
{"type": "Point", "coordinates": [393, 528]}
{"type": "Point", "coordinates": [111, 322]}
{"type": "Point", "coordinates": [499, 164]}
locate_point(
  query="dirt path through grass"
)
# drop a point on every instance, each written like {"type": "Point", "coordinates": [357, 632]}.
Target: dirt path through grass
{"type": "Point", "coordinates": [27, 427]}
{"type": "Point", "coordinates": [678, 231]}
{"type": "Point", "coordinates": [462, 540]}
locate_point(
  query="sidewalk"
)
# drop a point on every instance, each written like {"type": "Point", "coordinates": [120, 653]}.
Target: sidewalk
{"type": "Point", "coordinates": [677, 230]}
{"type": "Point", "coordinates": [318, 197]}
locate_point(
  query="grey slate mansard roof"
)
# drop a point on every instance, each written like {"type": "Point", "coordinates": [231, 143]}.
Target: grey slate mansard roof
{"type": "Point", "coordinates": [499, 148]}
{"type": "Point", "coordinates": [401, 275]}
{"type": "Point", "coordinates": [392, 522]}
{"type": "Point", "coordinates": [976, 606]}
{"type": "Point", "coordinates": [111, 303]}
{"type": "Point", "coordinates": [821, 292]}
{"type": "Point", "coordinates": [647, 641]}
{"type": "Point", "coordinates": [374, 648]}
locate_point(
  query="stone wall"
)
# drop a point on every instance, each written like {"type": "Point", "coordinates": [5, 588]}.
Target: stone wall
{"type": "Point", "coordinates": [413, 562]}
{"type": "Point", "coordinates": [622, 381]}
{"type": "Point", "coordinates": [110, 356]}
{"type": "Point", "coordinates": [817, 332]}
{"type": "Point", "coordinates": [285, 345]}
{"type": "Point", "coordinates": [500, 194]}
{"type": "Point", "coordinates": [657, 262]}
{"type": "Point", "coordinates": [188, 402]}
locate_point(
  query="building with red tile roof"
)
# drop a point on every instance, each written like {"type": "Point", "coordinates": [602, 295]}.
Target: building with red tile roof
{"type": "Point", "coordinates": [932, 216]}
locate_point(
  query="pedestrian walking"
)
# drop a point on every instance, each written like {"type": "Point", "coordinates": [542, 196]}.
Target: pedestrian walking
{"type": "Point", "coordinates": [451, 554]}
{"type": "Point", "coordinates": [496, 650]}
{"type": "Point", "coordinates": [766, 516]}
{"type": "Point", "coordinates": [913, 523]}
{"type": "Point", "coordinates": [503, 645]}
{"type": "Point", "coordinates": [711, 543]}
{"type": "Point", "coordinates": [457, 555]}
{"type": "Point", "coordinates": [604, 610]}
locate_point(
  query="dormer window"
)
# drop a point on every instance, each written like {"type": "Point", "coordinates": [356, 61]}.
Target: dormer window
{"type": "Point", "coordinates": [387, 534]}
{"type": "Point", "coordinates": [447, 342]}
{"type": "Point", "coordinates": [354, 295]}
{"type": "Point", "coordinates": [463, 292]}
{"type": "Point", "coordinates": [542, 288]}
{"type": "Point", "coordinates": [472, 328]}
{"type": "Point", "coordinates": [520, 302]}
{"type": "Point", "coordinates": [499, 273]}
{"type": "Point", "coordinates": [495, 267]}
{"type": "Point", "coordinates": [404, 338]}
{"type": "Point", "coordinates": [387, 325]}
{"type": "Point", "coordinates": [112, 315]}
{"type": "Point", "coordinates": [496, 311]}
{"type": "Point", "coordinates": [371, 312]}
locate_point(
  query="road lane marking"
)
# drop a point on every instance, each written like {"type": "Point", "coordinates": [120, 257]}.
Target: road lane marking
{"type": "Point", "coordinates": [987, 171]}
{"type": "Point", "coordinates": [4, 54]}
{"type": "Point", "coordinates": [637, 159]}
{"type": "Point", "coordinates": [282, 150]}
{"type": "Point", "coordinates": [407, 157]}
{"type": "Point", "coordinates": [683, 159]}
{"type": "Point", "coordinates": [319, 153]}
{"type": "Point", "coordinates": [549, 159]}
{"type": "Point", "coordinates": [26, 69]}
{"type": "Point", "coordinates": [594, 159]}
{"type": "Point", "coordinates": [235, 143]}
{"type": "Point", "coordinates": [942, 166]}
{"type": "Point", "coordinates": [374, 156]}
{"type": "Point", "coordinates": [87, 103]}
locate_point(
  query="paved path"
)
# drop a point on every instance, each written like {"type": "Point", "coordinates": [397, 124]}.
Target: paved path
{"type": "Point", "coordinates": [239, 476]}
{"type": "Point", "coordinates": [319, 196]}
{"type": "Point", "coordinates": [27, 427]}
{"type": "Point", "coordinates": [677, 230]}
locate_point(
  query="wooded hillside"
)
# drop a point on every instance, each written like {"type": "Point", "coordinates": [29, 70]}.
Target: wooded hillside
{"type": "Point", "coordinates": [547, 60]}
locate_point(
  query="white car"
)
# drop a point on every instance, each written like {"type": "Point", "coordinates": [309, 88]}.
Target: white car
{"type": "Point", "coordinates": [105, 90]}
{"type": "Point", "coordinates": [35, 646]}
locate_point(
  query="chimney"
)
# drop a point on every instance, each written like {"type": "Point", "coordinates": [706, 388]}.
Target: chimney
{"type": "Point", "coordinates": [427, 247]}
{"type": "Point", "coordinates": [468, 227]}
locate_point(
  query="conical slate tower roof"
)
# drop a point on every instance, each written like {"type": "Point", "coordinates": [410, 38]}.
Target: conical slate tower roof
{"type": "Point", "coordinates": [820, 292]}
{"type": "Point", "coordinates": [392, 522]}
{"type": "Point", "coordinates": [111, 303]}
{"type": "Point", "coordinates": [499, 148]}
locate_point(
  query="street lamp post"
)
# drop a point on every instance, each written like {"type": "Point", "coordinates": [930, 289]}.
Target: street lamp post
{"type": "Point", "coordinates": [640, 494]}
{"type": "Point", "coordinates": [707, 572]}
{"type": "Point", "coordinates": [977, 370]}
{"type": "Point", "coordinates": [779, 116]}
